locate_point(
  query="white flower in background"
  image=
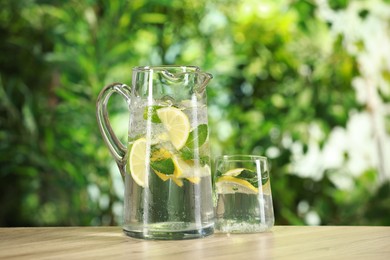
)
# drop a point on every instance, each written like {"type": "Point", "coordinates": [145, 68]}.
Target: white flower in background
{"type": "Point", "coordinates": [364, 143]}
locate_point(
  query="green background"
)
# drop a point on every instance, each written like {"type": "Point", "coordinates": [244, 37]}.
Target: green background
{"type": "Point", "coordinates": [306, 83]}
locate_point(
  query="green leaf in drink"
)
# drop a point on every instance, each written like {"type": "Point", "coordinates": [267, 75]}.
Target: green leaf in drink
{"type": "Point", "coordinates": [251, 177]}
{"type": "Point", "coordinates": [150, 112]}
{"type": "Point", "coordinates": [164, 166]}
{"type": "Point", "coordinates": [264, 178]}
{"type": "Point", "coordinates": [195, 140]}
{"type": "Point", "coordinates": [188, 154]}
{"type": "Point", "coordinates": [247, 174]}
{"type": "Point", "coordinates": [197, 136]}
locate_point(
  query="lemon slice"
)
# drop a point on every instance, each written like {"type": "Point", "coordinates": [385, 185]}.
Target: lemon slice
{"type": "Point", "coordinates": [182, 168]}
{"type": "Point", "coordinates": [194, 180]}
{"type": "Point", "coordinates": [162, 155]}
{"type": "Point", "coordinates": [187, 169]}
{"type": "Point", "coordinates": [165, 177]}
{"type": "Point", "coordinates": [203, 171]}
{"type": "Point", "coordinates": [177, 181]}
{"type": "Point", "coordinates": [137, 162]}
{"type": "Point", "coordinates": [177, 125]}
{"type": "Point", "coordinates": [162, 176]}
{"type": "Point", "coordinates": [230, 184]}
{"type": "Point", "coordinates": [159, 154]}
{"type": "Point", "coordinates": [234, 172]}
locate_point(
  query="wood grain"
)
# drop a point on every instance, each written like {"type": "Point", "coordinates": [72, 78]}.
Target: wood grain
{"type": "Point", "coordinates": [283, 242]}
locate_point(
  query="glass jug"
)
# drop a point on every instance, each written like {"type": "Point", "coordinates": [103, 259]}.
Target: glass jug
{"type": "Point", "coordinates": [166, 162]}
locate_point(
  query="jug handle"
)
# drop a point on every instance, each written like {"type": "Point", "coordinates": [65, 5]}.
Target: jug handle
{"type": "Point", "coordinates": [115, 146]}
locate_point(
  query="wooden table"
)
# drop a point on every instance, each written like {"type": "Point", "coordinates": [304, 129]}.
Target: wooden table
{"type": "Point", "coordinates": [283, 242]}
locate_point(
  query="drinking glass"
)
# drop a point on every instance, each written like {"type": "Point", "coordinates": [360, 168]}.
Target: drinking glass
{"type": "Point", "coordinates": [243, 194]}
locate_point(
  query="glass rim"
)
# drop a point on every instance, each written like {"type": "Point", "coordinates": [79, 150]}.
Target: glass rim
{"type": "Point", "coordinates": [241, 157]}
{"type": "Point", "coordinates": [184, 68]}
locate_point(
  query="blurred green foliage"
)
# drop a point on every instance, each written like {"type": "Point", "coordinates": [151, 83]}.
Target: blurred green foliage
{"type": "Point", "coordinates": [278, 69]}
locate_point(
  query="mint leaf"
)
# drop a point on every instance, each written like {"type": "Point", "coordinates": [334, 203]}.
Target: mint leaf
{"type": "Point", "coordinates": [188, 154]}
{"type": "Point", "coordinates": [197, 136]}
{"type": "Point", "coordinates": [150, 112]}
{"type": "Point", "coordinates": [264, 178]}
{"type": "Point", "coordinates": [252, 178]}
{"type": "Point", "coordinates": [164, 166]}
{"type": "Point", "coordinates": [204, 160]}
{"type": "Point", "coordinates": [247, 174]}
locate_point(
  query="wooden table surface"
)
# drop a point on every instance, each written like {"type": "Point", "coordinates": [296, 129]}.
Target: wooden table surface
{"type": "Point", "coordinates": [283, 242]}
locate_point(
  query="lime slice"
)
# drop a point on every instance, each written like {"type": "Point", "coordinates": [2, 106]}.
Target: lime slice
{"type": "Point", "coordinates": [230, 184]}
{"type": "Point", "coordinates": [137, 162]}
{"type": "Point", "coordinates": [177, 125]}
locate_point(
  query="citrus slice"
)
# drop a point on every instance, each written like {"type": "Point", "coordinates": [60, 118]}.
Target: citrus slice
{"type": "Point", "coordinates": [177, 181]}
{"type": "Point", "coordinates": [187, 169]}
{"type": "Point", "coordinates": [194, 180]}
{"type": "Point", "coordinates": [137, 161]}
{"type": "Point", "coordinates": [234, 172]}
{"type": "Point", "coordinates": [163, 167]}
{"type": "Point", "coordinates": [203, 171]}
{"type": "Point", "coordinates": [165, 177]}
{"type": "Point", "coordinates": [177, 125]}
{"type": "Point", "coordinates": [190, 171]}
{"type": "Point", "coordinates": [230, 184]}
{"type": "Point", "coordinates": [162, 176]}
{"type": "Point", "coordinates": [182, 168]}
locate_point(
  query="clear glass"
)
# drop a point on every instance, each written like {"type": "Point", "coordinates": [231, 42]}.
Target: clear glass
{"type": "Point", "coordinates": [243, 194]}
{"type": "Point", "coordinates": [166, 162]}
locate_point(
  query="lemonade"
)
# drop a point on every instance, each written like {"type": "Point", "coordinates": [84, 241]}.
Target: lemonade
{"type": "Point", "coordinates": [168, 167]}
{"type": "Point", "coordinates": [243, 195]}
{"type": "Point", "coordinates": [165, 164]}
{"type": "Point", "coordinates": [244, 212]}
